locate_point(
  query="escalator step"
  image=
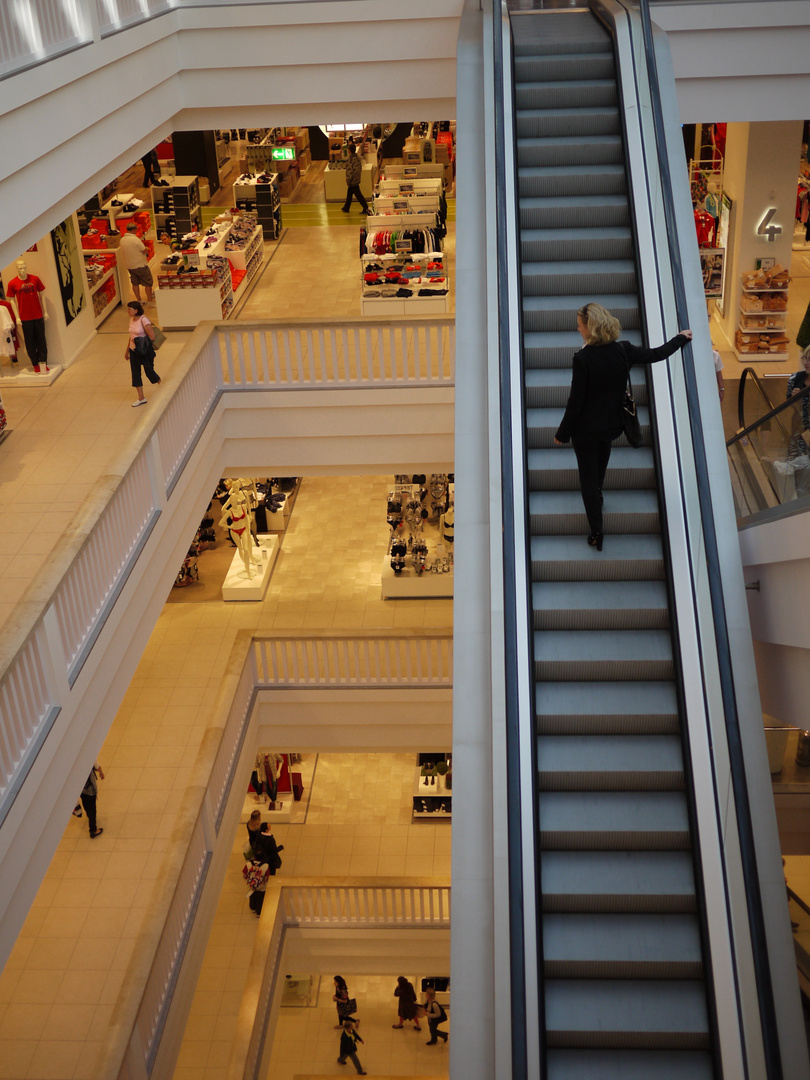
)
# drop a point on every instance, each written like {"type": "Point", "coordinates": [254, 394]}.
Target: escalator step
{"type": "Point", "coordinates": [626, 1014]}
{"type": "Point", "coordinates": [538, 124]}
{"type": "Point", "coordinates": [613, 821]}
{"type": "Point", "coordinates": [580, 946]}
{"type": "Point", "coordinates": [561, 278]}
{"type": "Point", "coordinates": [617, 881]}
{"type": "Point", "coordinates": [568, 65]}
{"type": "Point", "coordinates": [542, 313]}
{"type": "Point", "coordinates": [603, 655]}
{"type": "Point", "coordinates": [569, 150]}
{"type": "Point", "coordinates": [600, 605]}
{"type": "Point", "coordinates": [562, 245]}
{"type": "Point", "coordinates": [566, 93]}
{"type": "Point", "coordinates": [556, 513]}
{"type": "Point", "coordinates": [551, 180]}
{"type": "Point", "coordinates": [573, 212]}
{"type": "Point", "coordinates": [549, 387]}
{"type": "Point", "coordinates": [606, 708]}
{"type": "Point", "coordinates": [610, 763]}
{"type": "Point", "coordinates": [541, 424]}
{"type": "Point", "coordinates": [629, 1065]}
{"type": "Point", "coordinates": [555, 349]}
{"type": "Point", "coordinates": [556, 469]}
{"type": "Point", "coordinates": [623, 558]}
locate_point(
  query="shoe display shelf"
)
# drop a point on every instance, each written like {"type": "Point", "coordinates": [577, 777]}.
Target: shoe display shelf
{"type": "Point", "coordinates": [379, 298]}
{"type": "Point", "coordinates": [264, 200]}
{"type": "Point", "coordinates": [432, 799]}
{"type": "Point", "coordinates": [103, 283]}
{"type": "Point", "coordinates": [183, 300]}
{"type": "Point", "coordinates": [176, 207]}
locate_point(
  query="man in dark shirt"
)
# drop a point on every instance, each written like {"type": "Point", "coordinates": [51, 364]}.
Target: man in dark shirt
{"type": "Point", "coordinates": [354, 174]}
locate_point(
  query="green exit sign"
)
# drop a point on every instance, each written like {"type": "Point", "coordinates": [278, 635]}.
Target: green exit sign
{"type": "Point", "coordinates": [283, 153]}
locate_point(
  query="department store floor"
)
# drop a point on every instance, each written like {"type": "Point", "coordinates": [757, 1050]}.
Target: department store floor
{"type": "Point", "coordinates": [58, 991]}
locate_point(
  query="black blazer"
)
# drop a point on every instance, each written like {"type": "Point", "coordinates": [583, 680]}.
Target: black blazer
{"type": "Point", "coordinates": [594, 408]}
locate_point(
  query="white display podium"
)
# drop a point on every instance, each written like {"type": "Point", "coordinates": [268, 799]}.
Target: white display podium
{"type": "Point", "coordinates": [238, 586]}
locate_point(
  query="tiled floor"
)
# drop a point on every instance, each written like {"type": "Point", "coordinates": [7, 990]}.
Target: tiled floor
{"type": "Point", "coordinates": [344, 834]}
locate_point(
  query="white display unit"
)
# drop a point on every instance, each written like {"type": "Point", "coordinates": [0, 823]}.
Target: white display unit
{"type": "Point", "coordinates": [412, 172]}
{"type": "Point", "coordinates": [184, 307]}
{"type": "Point", "coordinates": [404, 305]}
{"type": "Point", "coordinates": [435, 795]}
{"type": "Point", "coordinates": [334, 182]}
{"type": "Point", "coordinates": [750, 321]}
{"type": "Point", "coordinates": [238, 586]}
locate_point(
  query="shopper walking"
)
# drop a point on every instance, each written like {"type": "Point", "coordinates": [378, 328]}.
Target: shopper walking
{"type": "Point", "coordinates": [346, 1006]}
{"type": "Point", "coordinates": [140, 350]}
{"type": "Point", "coordinates": [88, 797]}
{"type": "Point", "coordinates": [348, 1047]}
{"type": "Point", "coordinates": [406, 996]}
{"type": "Point", "coordinates": [798, 381]}
{"type": "Point", "coordinates": [435, 1015]}
{"type": "Point", "coordinates": [593, 415]}
{"type": "Point", "coordinates": [354, 174]}
{"type": "Point", "coordinates": [136, 259]}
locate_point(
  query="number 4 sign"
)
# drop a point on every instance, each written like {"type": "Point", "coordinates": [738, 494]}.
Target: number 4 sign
{"type": "Point", "coordinates": [766, 229]}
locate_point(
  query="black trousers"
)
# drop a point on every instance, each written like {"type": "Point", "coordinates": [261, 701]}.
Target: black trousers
{"type": "Point", "coordinates": [35, 344]}
{"type": "Point", "coordinates": [433, 1024]}
{"type": "Point", "coordinates": [89, 804]}
{"type": "Point", "coordinates": [593, 456]}
{"type": "Point", "coordinates": [354, 189]}
{"type": "Point", "coordinates": [148, 363]}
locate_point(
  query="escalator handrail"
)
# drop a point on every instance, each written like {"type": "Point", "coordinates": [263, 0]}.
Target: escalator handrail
{"type": "Point", "coordinates": [748, 855]}
{"type": "Point", "coordinates": [517, 617]}
{"type": "Point", "coordinates": [772, 415]}
{"type": "Point", "coordinates": [749, 373]}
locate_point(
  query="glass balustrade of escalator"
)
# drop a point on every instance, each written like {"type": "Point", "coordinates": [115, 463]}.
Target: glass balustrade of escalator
{"type": "Point", "coordinates": [769, 458]}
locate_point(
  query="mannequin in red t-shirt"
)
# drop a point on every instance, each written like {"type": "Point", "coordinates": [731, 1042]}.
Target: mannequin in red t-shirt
{"type": "Point", "coordinates": [23, 291]}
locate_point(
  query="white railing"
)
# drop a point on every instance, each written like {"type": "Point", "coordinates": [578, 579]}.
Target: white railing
{"type": "Point", "coordinates": [348, 902]}
{"type": "Point", "coordinates": [337, 353]}
{"type": "Point", "coordinates": [95, 572]}
{"type": "Point", "coordinates": [368, 659]}
{"type": "Point", "coordinates": [365, 906]}
{"type": "Point", "coordinates": [96, 559]}
{"type": "Point", "coordinates": [169, 956]}
{"type": "Point", "coordinates": [120, 14]}
{"type": "Point", "coordinates": [34, 30]}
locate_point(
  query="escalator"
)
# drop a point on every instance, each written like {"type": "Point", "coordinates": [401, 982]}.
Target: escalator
{"type": "Point", "coordinates": [769, 456]}
{"type": "Point", "coordinates": [621, 933]}
{"type": "Point", "coordinates": [631, 961]}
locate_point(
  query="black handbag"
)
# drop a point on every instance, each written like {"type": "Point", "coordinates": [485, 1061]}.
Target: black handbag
{"type": "Point", "coordinates": [632, 428]}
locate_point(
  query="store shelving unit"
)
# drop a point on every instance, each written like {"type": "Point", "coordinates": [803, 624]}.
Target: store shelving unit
{"type": "Point", "coordinates": [105, 291]}
{"type": "Point", "coordinates": [763, 318]}
{"type": "Point", "coordinates": [432, 801]}
{"type": "Point", "coordinates": [403, 305]}
{"type": "Point", "coordinates": [262, 199]}
{"type": "Point", "coordinates": [176, 208]}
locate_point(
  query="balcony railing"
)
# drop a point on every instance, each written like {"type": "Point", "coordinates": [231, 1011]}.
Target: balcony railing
{"type": "Point", "coordinates": [96, 559]}
{"type": "Point", "coordinates": [348, 902]}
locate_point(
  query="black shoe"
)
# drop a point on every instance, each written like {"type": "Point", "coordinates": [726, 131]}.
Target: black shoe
{"type": "Point", "coordinates": [595, 540]}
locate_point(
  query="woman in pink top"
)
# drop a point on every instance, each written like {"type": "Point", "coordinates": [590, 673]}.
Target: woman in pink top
{"type": "Point", "coordinates": [140, 353]}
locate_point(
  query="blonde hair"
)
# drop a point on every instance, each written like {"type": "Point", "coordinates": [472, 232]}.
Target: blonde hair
{"type": "Point", "coordinates": [602, 326]}
{"type": "Point", "coordinates": [256, 814]}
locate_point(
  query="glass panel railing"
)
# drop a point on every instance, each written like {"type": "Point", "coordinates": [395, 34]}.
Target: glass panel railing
{"type": "Point", "coordinates": [769, 460]}
{"type": "Point", "coordinates": [753, 399]}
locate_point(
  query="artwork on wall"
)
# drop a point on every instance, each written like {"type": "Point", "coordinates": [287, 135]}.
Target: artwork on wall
{"type": "Point", "coordinates": [68, 269]}
{"type": "Point", "coordinates": [713, 264]}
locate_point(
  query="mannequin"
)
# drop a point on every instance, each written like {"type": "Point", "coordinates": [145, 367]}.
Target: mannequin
{"type": "Point", "coordinates": [237, 508]}
{"type": "Point", "coordinates": [23, 291]}
{"type": "Point", "coordinates": [9, 337]}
